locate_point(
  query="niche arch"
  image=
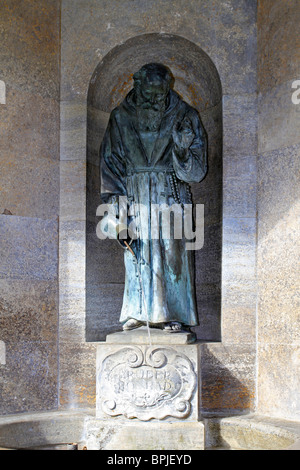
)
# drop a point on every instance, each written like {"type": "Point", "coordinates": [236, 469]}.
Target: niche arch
{"type": "Point", "coordinates": [198, 82]}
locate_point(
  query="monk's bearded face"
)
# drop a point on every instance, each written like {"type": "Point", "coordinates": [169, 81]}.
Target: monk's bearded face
{"type": "Point", "coordinates": [150, 100]}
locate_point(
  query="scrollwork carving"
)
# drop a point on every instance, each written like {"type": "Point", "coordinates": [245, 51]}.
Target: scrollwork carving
{"type": "Point", "coordinates": [147, 383]}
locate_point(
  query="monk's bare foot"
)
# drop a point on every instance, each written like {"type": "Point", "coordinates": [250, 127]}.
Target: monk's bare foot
{"type": "Point", "coordinates": [131, 324]}
{"type": "Point", "coordinates": [173, 326]}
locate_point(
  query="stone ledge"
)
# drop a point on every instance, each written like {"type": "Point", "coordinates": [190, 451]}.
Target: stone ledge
{"type": "Point", "coordinates": [251, 432]}
{"type": "Point", "coordinates": [156, 336]}
{"type": "Point", "coordinates": [44, 429]}
{"type": "Point", "coordinates": [104, 435]}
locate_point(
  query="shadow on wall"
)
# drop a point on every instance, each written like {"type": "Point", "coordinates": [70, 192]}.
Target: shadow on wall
{"type": "Point", "coordinates": [198, 83]}
{"type": "Point", "coordinates": [227, 381]}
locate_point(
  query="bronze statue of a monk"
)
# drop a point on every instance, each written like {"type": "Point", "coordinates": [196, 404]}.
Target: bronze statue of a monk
{"type": "Point", "coordinates": [154, 147]}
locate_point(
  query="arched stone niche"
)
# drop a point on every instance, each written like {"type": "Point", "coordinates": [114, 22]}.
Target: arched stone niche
{"type": "Point", "coordinates": [198, 83]}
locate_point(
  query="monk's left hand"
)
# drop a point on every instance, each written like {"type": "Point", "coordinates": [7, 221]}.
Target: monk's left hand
{"type": "Point", "coordinates": [183, 134]}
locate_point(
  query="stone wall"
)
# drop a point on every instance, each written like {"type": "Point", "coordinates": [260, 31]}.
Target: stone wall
{"type": "Point", "coordinates": [278, 209]}
{"type": "Point", "coordinates": [29, 204]}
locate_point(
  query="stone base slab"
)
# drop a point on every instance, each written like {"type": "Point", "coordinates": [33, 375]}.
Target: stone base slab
{"type": "Point", "coordinates": [110, 435]}
{"type": "Point", "coordinates": [153, 335]}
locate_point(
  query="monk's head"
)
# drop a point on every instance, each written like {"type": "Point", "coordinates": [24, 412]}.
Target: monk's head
{"type": "Point", "coordinates": [151, 87]}
{"type": "Point", "coordinates": [152, 84]}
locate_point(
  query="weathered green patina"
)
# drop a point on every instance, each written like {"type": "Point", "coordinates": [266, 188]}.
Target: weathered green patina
{"type": "Point", "coordinates": [154, 147]}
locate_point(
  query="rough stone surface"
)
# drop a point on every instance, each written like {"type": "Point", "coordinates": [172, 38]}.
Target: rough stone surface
{"type": "Point", "coordinates": [227, 378]}
{"type": "Point", "coordinates": [278, 210]}
{"type": "Point", "coordinates": [77, 386]}
{"type": "Point", "coordinates": [280, 130]}
{"type": "Point", "coordinates": [29, 308]}
{"type": "Point", "coordinates": [73, 118]}
{"type": "Point", "coordinates": [72, 190]}
{"type": "Point", "coordinates": [153, 436]}
{"type": "Point", "coordinates": [47, 429]}
{"type": "Point", "coordinates": [239, 281]}
{"type": "Point", "coordinates": [28, 248]}
{"type": "Point", "coordinates": [252, 432]}
{"type": "Point", "coordinates": [239, 191]}
{"type": "Point", "coordinates": [103, 315]}
{"type": "Point", "coordinates": [29, 154]}
{"type": "Point", "coordinates": [279, 47]}
{"type": "Point", "coordinates": [240, 125]}
{"type": "Point", "coordinates": [29, 204]}
{"type": "Point", "coordinates": [278, 190]}
{"type": "Point", "coordinates": [226, 31]}
{"type": "Point", "coordinates": [29, 376]}
{"type": "Point", "coordinates": [30, 42]}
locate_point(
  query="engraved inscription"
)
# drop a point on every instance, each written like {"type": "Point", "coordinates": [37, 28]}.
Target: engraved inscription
{"type": "Point", "coordinates": [145, 386]}
{"type": "Point", "coordinates": [156, 383]}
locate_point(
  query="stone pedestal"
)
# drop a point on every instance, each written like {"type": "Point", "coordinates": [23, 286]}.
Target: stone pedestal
{"type": "Point", "coordinates": [147, 392]}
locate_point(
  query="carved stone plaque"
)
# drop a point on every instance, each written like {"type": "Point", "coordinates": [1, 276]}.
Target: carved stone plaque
{"type": "Point", "coordinates": [146, 383]}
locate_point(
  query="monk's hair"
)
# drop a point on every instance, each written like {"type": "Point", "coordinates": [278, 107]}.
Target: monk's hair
{"type": "Point", "coordinates": [153, 71]}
